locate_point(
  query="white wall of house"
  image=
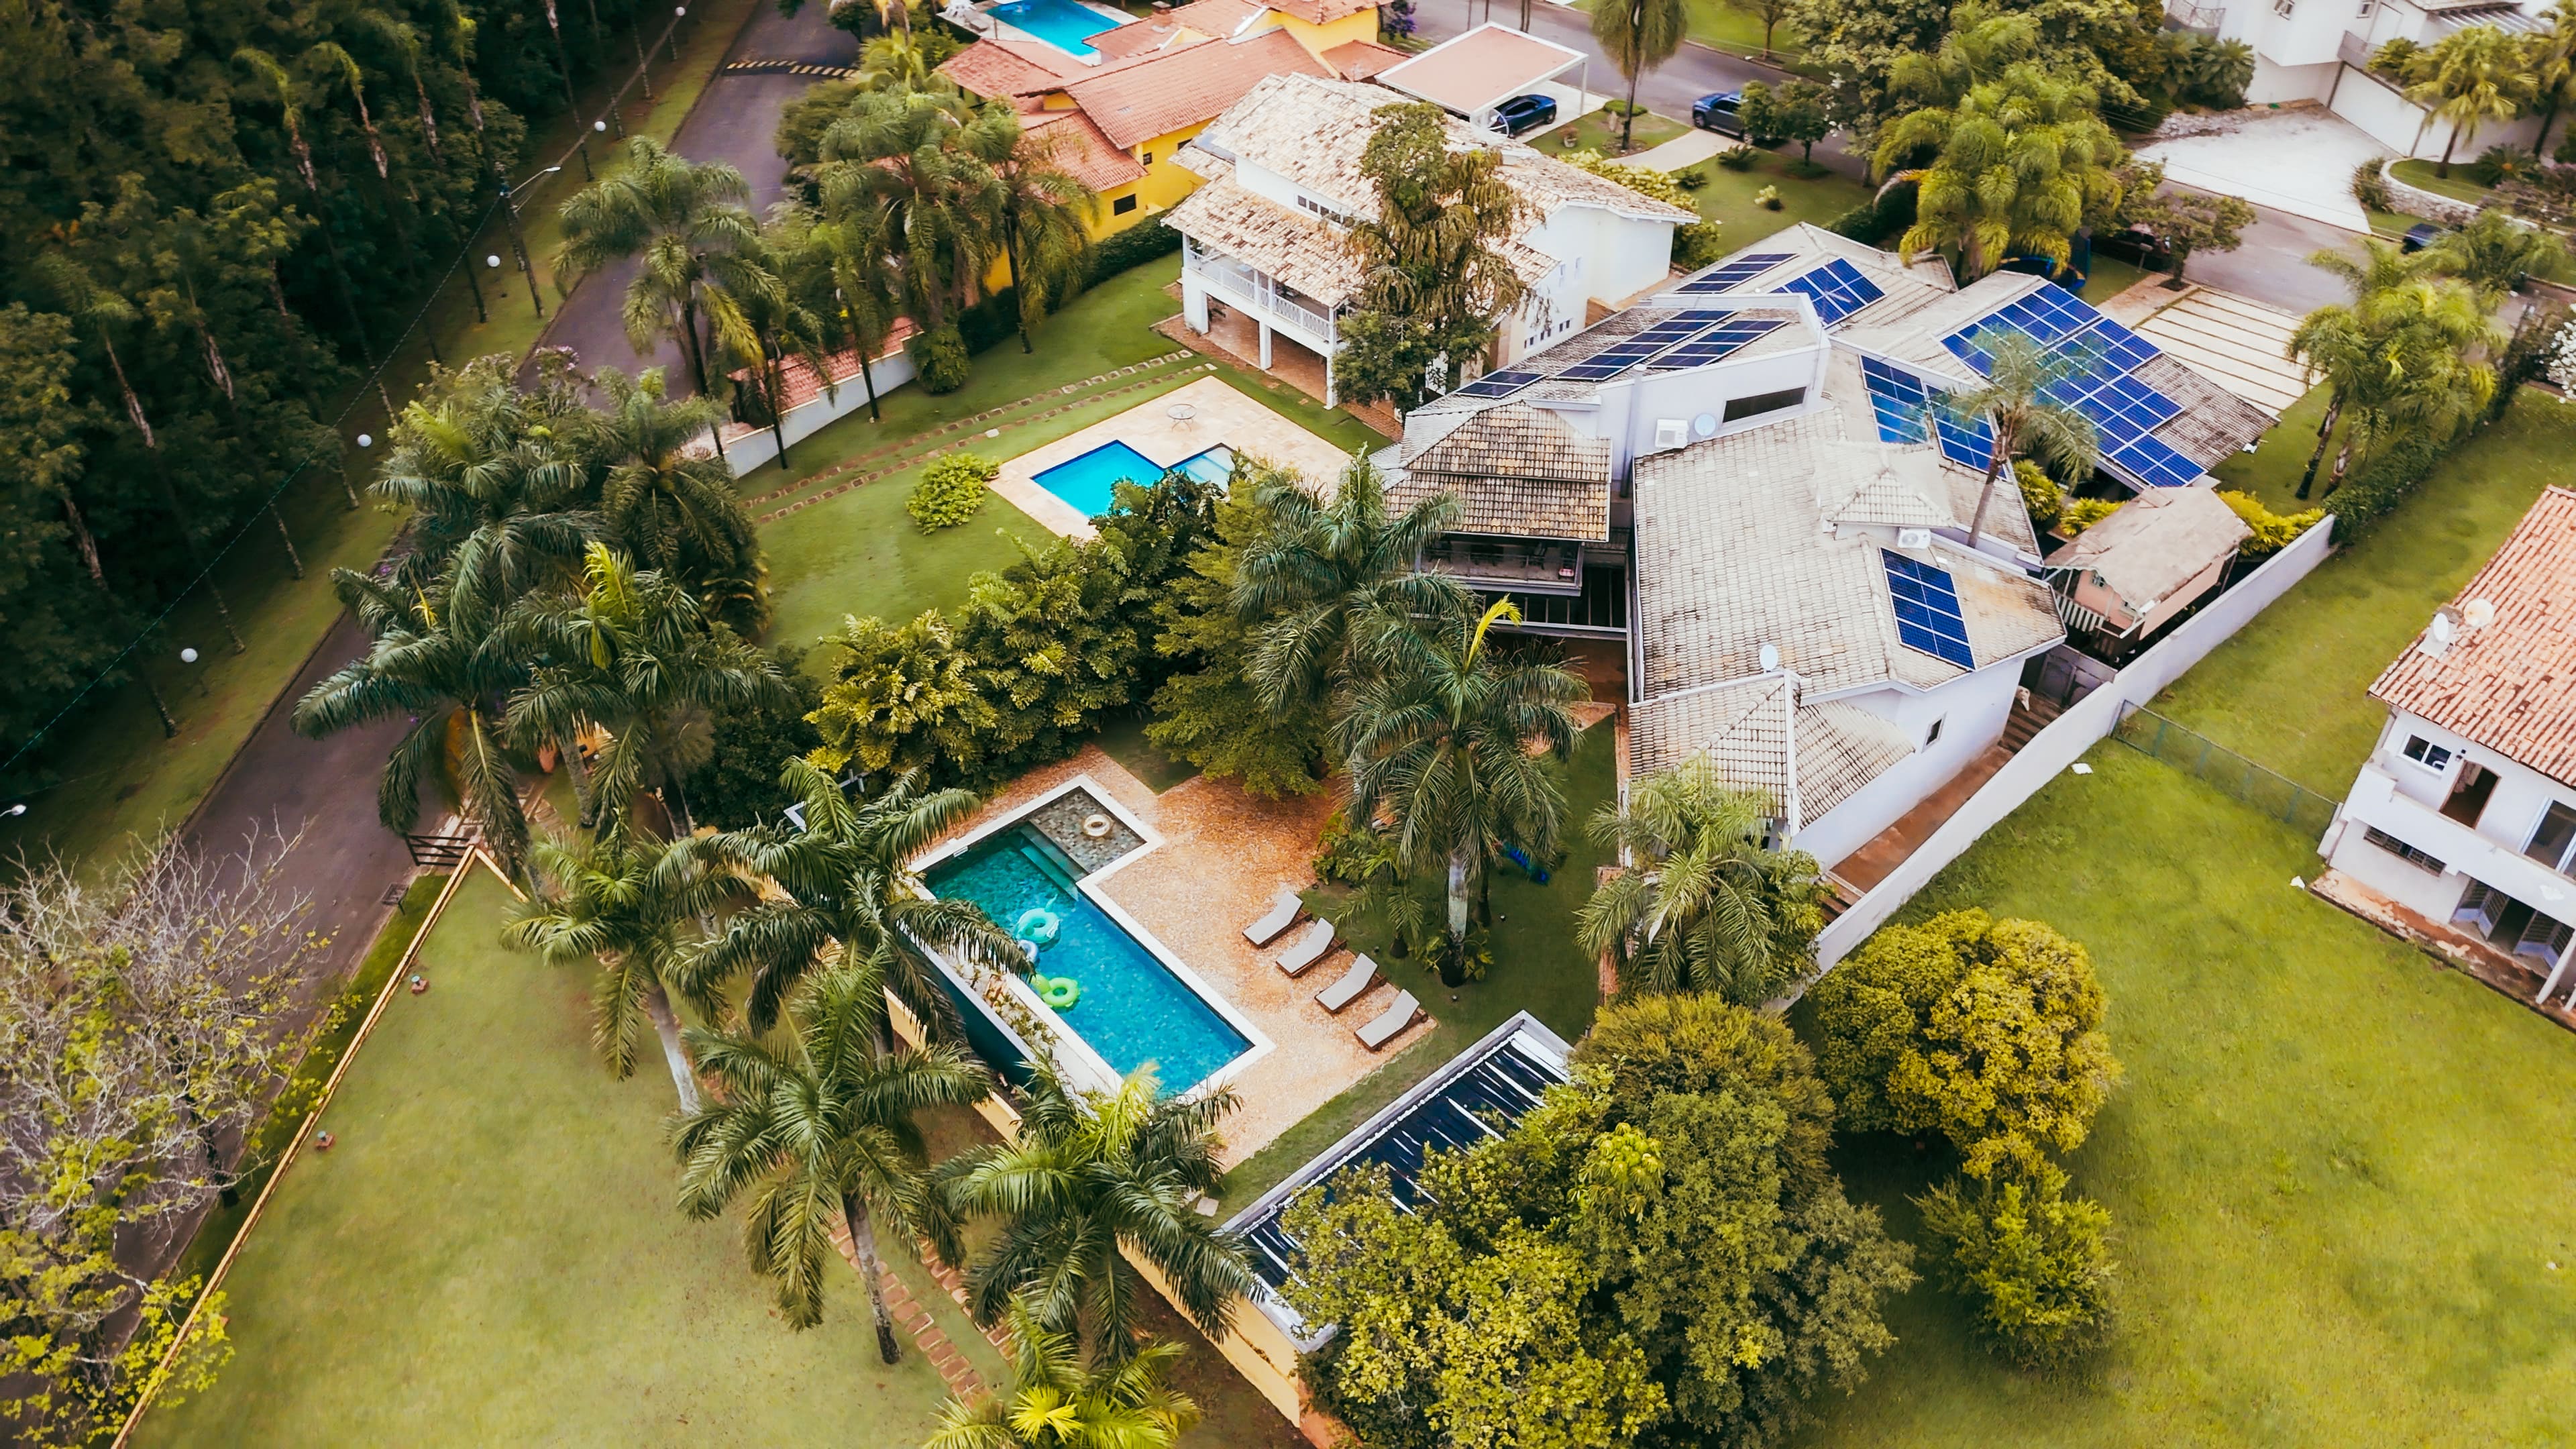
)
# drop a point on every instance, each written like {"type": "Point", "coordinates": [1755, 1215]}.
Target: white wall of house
{"type": "Point", "coordinates": [2312, 53]}
{"type": "Point", "coordinates": [1622, 255]}
{"type": "Point", "coordinates": [1630, 407]}
{"type": "Point", "coordinates": [1971, 712]}
{"type": "Point", "coordinates": [2402, 797]}
{"type": "Point", "coordinates": [751, 450]}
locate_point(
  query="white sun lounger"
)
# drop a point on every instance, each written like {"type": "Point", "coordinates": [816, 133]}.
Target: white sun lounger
{"type": "Point", "coordinates": [1308, 948]}
{"type": "Point", "coordinates": [1283, 910]}
{"type": "Point", "coordinates": [1361, 976]}
{"type": "Point", "coordinates": [1391, 1021]}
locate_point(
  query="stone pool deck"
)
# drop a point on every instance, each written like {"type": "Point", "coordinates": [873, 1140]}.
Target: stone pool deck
{"type": "Point", "coordinates": [1222, 855]}
{"type": "Point", "coordinates": [1219, 415]}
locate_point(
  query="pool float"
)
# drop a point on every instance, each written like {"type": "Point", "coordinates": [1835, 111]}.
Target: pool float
{"type": "Point", "coordinates": [1097, 827]}
{"type": "Point", "coordinates": [1037, 926]}
{"type": "Point", "coordinates": [1060, 992]}
{"type": "Point", "coordinates": [1030, 950]}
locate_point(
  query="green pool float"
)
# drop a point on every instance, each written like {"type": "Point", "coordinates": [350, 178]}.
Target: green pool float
{"type": "Point", "coordinates": [1059, 992]}
{"type": "Point", "coordinates": [1038, 926]}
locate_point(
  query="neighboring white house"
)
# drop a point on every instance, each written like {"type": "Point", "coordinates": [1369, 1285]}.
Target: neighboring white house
{"type": "Point", "coordinates": [1282, 166]}
{"type": "Point", "coordinates": [2465, 813]}
{"type": "Point", "coordinates": [2319, 50]}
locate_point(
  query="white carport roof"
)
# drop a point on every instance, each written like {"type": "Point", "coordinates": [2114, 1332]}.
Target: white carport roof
{"type": "Point", "coordinates": [1478, 70]}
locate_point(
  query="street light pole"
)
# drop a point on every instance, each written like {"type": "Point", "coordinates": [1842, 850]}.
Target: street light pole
{"type": "Point", "coordinates": [518, 242]}
{"type": "Point", "coordinates": [672, 36]}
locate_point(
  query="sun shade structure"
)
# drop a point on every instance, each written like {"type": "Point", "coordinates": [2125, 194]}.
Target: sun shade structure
{"type": "Point", "coordinates": [1479, 70]}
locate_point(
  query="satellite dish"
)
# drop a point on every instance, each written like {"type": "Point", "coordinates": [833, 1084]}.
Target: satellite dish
{"type": "Point", "coordinates": [1705, 424]}
{"type": "Point", "coordinates": [2478, 613]}
{"type": "Point", "coordinates": [1770, 657]}
{"type": "Point", "coordinates": [2443, 630]}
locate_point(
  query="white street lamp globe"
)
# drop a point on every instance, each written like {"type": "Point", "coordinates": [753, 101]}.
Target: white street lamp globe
{"type": "Point", "coordinates": [187, 656]}
{"type": "Point", "coordinates": [599, 125]}
{"type": "Point", "coordinates": [365, 441]}
{"type": "Point", "coordinates": [492, 260]}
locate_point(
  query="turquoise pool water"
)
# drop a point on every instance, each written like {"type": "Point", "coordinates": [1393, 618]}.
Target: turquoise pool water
{"type": "Point", "coordinates": [1060, 23]}
{"type": "Point", "coordinates": [1090, 482]}
{"type": "Point", "coordinates": [1133, 1010]}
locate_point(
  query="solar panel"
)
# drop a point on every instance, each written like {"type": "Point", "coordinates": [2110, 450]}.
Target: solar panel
{"type": "Point", "coordinates": [1838, 289]}
{"type": "Point", "coordinates": [1735, 273]}
{"type": "Point", "coordinates": [1898, 400]}
{"type": "Point", "coordinates": [1927, 610]}
{"type": "Point", "coordinates": [1496, 384]}
{"type": "Point", "coordinates": [1718, 342]}
{"type": "Point", "coordinates": [2152, 462]}
{"type": "Point", "coordinates": [1966, 441]}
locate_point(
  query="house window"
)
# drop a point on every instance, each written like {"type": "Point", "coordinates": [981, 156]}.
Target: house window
{"type": "Point", "coordinates": [1122, 206]}
{"type": "Point", "coordinates": [2283, 8]}
{"type": "Point", "coordinates": [1764, 402]}
{"type": "Point", "coordinates": [1145, 157]}
{"type": "Point", "coordinates": [2428, 754]}
{"type": "Point", "coordinates": [2551, 843]}
{"type": "Point", "coordinates": [2401, 849]}
{"type": "Point", "coordinates": [1337, 218]}
{"type": "Point", "coordinates": [1932, 734]}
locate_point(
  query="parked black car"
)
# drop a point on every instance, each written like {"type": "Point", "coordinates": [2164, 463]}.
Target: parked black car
{"type": "Point", "coordinates": [2421, 235]}
{"type": "Point", "coordinates": [1520, 113]}
{"type": "Point", "coordinates": [2138, 247]}
{"type": "Point", "coordinates": [1720, 111]}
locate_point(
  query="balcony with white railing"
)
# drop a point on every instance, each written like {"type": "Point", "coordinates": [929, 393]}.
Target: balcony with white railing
{"type": "Point", "coordinates": [1259, 295]}
{"type": "Point", "coordinates": [2376, 801]}
{"type": "Point", "coordinates": [2202, 18]}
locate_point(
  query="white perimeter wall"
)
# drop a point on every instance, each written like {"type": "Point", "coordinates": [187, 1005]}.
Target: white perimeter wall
{"type": "Point", "coordinates": [2072, 733]}
{"type": "Point", "coordinates": [1972, 710]}
{"type": "Point", "coordinates": [805, 420]}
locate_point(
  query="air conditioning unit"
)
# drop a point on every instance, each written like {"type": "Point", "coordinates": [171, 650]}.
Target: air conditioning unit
{"type": "Point", "coordinates": [1671, 432]}
{"type": "Point", "coordinates": [1914, 538]}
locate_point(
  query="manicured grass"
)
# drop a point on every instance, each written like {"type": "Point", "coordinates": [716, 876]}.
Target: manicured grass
{"type": "Point", "coordinates": [861, 555]}
{"type": "Point", "coordinates": [1599, 131]}
{"type": "Point", "coordinates": [2458, 185]}
{"type": "Point", "coordinates": [1721, 26]}
{"type": "Point", "coordinates": [2337, 1172]}
{"type": "Point", "coordinates": [1537, 968]}
{"type": "Point", "coordinates": [490, 1255]}
{"type": "Point", "coordinates": [2109, 278]}
{"type": "Point", "coordinates": [2288, 690]}
{"type": "Point", "coordinates": [1804, 196]}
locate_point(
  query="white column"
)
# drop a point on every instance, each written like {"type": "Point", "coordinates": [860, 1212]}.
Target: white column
{"type": "Point", "coordinates": [1265, 345]}
{"type": "Point", "coordinates": [1330, 401]}
{"type": "Point", "coordinates": [1194, 304]}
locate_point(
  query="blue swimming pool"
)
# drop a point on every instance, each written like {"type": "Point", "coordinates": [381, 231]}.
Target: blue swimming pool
{"type": "Point", "coordinates": [1060, 23]}
{"type": "Point", "coordinates": [1132, 1010]}
{"type": "Point", "coordinates": [1090, 482]}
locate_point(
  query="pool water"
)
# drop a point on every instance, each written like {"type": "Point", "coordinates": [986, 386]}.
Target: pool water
{"type": "Point", "coordinates": [1090, 481]}
{"type": "Point", "coordinates": [1060, 23]}
{"type": "Point", "coordinates": [1133, 1010]}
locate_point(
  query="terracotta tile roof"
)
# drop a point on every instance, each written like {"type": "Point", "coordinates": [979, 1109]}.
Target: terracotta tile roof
{"type": "Point", "coordinates": [1145, 37]}
{"type": "Point", "coordinates": [1081, 150]}
{"type": "Point", "coordinates": [1303, 251]}
{"type": "Point", "coordinates": [1322, 12]}
{"type": "Point", "coordinates": [1166, 92]}
{"type": "Point", "coordinates": [1479, 68]}
{"type": "Point", "coordinates": [2156, 543]}
{"type": "Point", "coordinates": [1518, 472]}
{"type": "Point", "coordinates": [1356, 59]}
{"type": "Point", "coordinates": [2510, 684]}
{"type": "Point", "coordinates": [996, 69]}
{"type": "Point", "coordinates": [1210, 17]}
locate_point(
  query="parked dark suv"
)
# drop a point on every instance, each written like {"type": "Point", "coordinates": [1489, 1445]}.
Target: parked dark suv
{"type": "Point", "coordinates": [1520, 113]}
{"type": "Point", "coordinates": [1720, 111]}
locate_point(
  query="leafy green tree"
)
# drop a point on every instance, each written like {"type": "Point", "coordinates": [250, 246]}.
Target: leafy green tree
{"type": "Point", "coordinates": [2023, 414]}
{"type": "Point", "coordinates": [2473, 75]}
{"type": "Point", "coordinates": [2404, 354]}
{"type": "Point", "coordinates": [1437, 280]}
{"type": "Point", "coordinates": [1801, 116]}
{"type": "Point", "coordinates": [1703, 906]}
{"type": "Point", "coordinates": [1639, 35]}
{"type": "Point", "coordinates": [1987, 1031]}
{"type": "Point", "coordinates": [738, 785]}
{"type": "Point", "coordinates": [2019, 165]}
{"type": "Point", "coordinates": [1324, 575]}
{"type": "Point", "coordinates": [698, 245]}
{"type": "Point", "coordinates": [1090, 1177]}
{"type": "Point", "coordinates": [1769, 12]}
{"type": "Point", "coordinates": [903, 698]}
{"type": "Point", "coordinates": [674, 511]}
{"type": "Point", "coordinates": [1856, 44]}
{"type": "Point", "coordinates": [2188, 222]}
{"type": "Point", "coordinates": [2035, 1262]}
{"type": "Point", "coordinates": [818, 1131]}
{"type": "Point", "coordinates": [1055, 1402]}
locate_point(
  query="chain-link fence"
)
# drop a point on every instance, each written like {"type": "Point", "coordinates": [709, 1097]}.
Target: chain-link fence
{"type": "Point", "coordinates": [2194, 753]}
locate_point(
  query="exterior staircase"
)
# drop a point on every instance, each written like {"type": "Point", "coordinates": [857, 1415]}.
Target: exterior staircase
{"type": "Point", "coordinates": [2030, 715]}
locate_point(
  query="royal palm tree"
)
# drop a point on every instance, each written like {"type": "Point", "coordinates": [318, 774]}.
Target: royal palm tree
{"type": "Point", "coordinates": [847, 878]}
{"type": "Point", "coordinates": [1090, 1176]}
{"type": "Point", "coordinates": [900, 157]}
{"type": "Point", "coordinates": [336, 62]}
{"type": "Point", "coordinates": [1638, 35]}
{"type": "Point", "coordinates": [291, 96]}
{"type": "Point", "coordinates": [2550, 55]}
{"type": "Point", "coordinates": [847, 277]}
{"type": "Point", "coordinates": [2022, 416]}
{"type": "Point", "coordinates": [493, 464]}
{"type": "Point", "coordinates": [675, 511]}
{"type": "Point", "coordinates": [629, 904]}
{"type": "Point", "coordinates": [819, 1131]}
{"type": "Point", "coordinates": [698, 241]}
{"type": "Point", "coordinates": [1055, 1402]}
{"type": "Point", "coordinates": [2020, 164]}
{"type": "Point", "coordinates": [1034, 203]}
{"type": "Point", "coordinates": [2473, 75]}
{"type": "Point", "coordinates": [1326, 572]}
{"type": "Point", "coordinates": [1451, 746]}
{"type": "Point", "coordinates": [1702, 905]}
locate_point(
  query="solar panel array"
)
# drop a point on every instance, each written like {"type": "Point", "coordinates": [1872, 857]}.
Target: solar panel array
{"type": "Point", "coordinates": [1910, 412]}
{"type": "Point", "coordinates": [1838, 288]}
{"type": "Point", "coordinates": [1736, 273]}
{"type": "Point", "coordinates": [2044, 316]}
{"type": "Point", "coordinates": [1718, 341]}
{"type": "Point", "coordinates": [2098, 357]}
{"type": "Point", "coordinates": [1684, 339]}
{"type": "Point", "coordinates": [1927, 610]}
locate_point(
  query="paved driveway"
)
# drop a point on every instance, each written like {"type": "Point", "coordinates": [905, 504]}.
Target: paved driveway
{"type": "Point", "coordinates": [2295, 161]}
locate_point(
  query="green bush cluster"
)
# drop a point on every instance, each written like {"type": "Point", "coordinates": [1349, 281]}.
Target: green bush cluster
{"type": "Point", "coordinates": [2079, 514]}
{"type": "Point", "coordinates": [738, 785]}
{"type": "Point", "coordinates": [2038, 494]}
{"type": "Point", "coordinates": [2035, 1262]}
{"type": "Point", "coordinates": [1880, 219]}
{"type": "Point", "coordinates": [939, 360]}
{"type": "Point", "coordinates": [2273, 532]}
{"type": "Point", "coordinates": [950, 491]}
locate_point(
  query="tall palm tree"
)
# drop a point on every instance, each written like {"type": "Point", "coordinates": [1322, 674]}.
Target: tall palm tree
{"type": "Point", "coordinates": [1702, 906]}
{"type": "Point", "coordinates": [1034, 203]}
{"type": "Point", "coordinates": [336, 62]}
{"type": "Point", "coordinates": [629, 904]}
{"type": "Point", "coordinates": [2020, 164]}
{"type": "Point", "coordinates": [900, 156]}
{"type": "Point", "coordinates": [847, 276]}
{"type": "Point", "coordinates": [1056, 1403]}
{"type": "Point", "coordinates": [2399, 348]}
{"type": "Point", "coordinates": [1087, 1177]}
{"type": "Point", "coordinates": [2022, 416]}
{"type": "Point", "coordinates": [1638, 36]}
{"type": "Point", "coordinates": [819, 1131]}
{"type": "Point", "coordinates": [493, 464]}
{"type": "Point", "coordinates": [1451, 744]}
{"type": "Point", "coordinates": [698, 241]}
{"type": "Point", "coordinates": [2473, 75]}
{"type": "Point", "coordinates": [2493, 252]}
{"type": "Point", "coordinates": [406, 43]}
{"type": "Point", "coordinates": [2550, 55]}
{"type": "Point", "coordinates": [1327, 572]}
{"type": "Point", "coordinates": [632, 653]}
{"type": "Point", "coordinates": [846, 875]}
{"type": "Point", "coordinates": [291, 96]}
{"type": "Point", "coordinates": [675, 511]}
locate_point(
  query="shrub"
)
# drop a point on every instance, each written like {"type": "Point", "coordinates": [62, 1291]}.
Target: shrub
{"type": "Point", "coordinates": [1768, 198]}
{"type": "Point", "coordinates": [1133, 247]}
{"type": "Point", "coordinates": [1736, 158]}
{"type": "Point", "coordinates": [1881, 217]}
{"type": "Point", "coordinates": [2038, 493]}
{"type": "Point", "coordinates": [2383, 482]}
{"type": "Point", "coordinates": [2035, 1262]}
{"type": "Point", "coordinates": [2395, 59]}
{"type": "Point", "coordinates": [2499, 164]}
{"type": "Point", "coordinates": [2370, 186]}
{"type": "Point", "coordinates": [1690, 178]}
{"type": "Point", "coordinates": [950, 491]}
{"type": "Point", "coordinates": [2079, 514]}
{"type": "Point", "coordinates": [738, 785]}
{"type": "Point", "coordinates": [2273, 532]}
{"type": "Point", "coordinates": [939, 359]}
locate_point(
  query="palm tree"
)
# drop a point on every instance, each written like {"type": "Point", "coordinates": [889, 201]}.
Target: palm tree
{"type": "Point", "coordinates": [627, 903]}
{"type": "Point", "coordinates": [1056, 1403]}
{"type": "Point", "coordinates": [2020, 165]}
{"type": "Point", "coordinates": [2473, 75]}
{"type": "Point", "coordinates": [1638, 35]}
{"type": "Point", "coordinates": [1324, 571]}
{"type": "Point", "coordinates": [848, 278]}
{"type": "Point", "coordinates": [2397, 349]}
{"type": "Point", "coordinates": [2551, 57]}
{"type": "Point", "coordinates": [336, 61]}
{"type": "Point", "coordinates": [1703, 905]}
{"type": "Point", "coordinates": [899, 156]}
{"type": "Point", "coordinates": [675, 511]}
{"type": "Point", "coordinates": [820, 1129]}
{"type": "Point", "coordinates": [2017, 408]}
{"type": "Point", "coordinates": [488, 463]}
{"type": "Point", "coordinates": [2492, 253]}
{"type": "Point", "coordinates": [1438, 738]}
{"type": "Point", "coordinates": [1090, 1176]}
{"type": "Point", "coordinates": [699, 243]}
{"type": "Point", "coordinates": [406, 43]}
{"type": "Point", "coordinates": [633, 654]}
{"type": "Point", "coordinates": [895, 61]}
{"type": "Point", "coordinates": [1969, 57]}
{"type": "Point", "coordinates": [290, 104]}
{"type": "Point", "coordinates": [1036, 206]}
{"type": "Point", "coordinates": [846, 875]}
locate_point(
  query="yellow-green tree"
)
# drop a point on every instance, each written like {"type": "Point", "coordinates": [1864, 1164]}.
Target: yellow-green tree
{"type": "Point", "coordinates": [2019, 165]}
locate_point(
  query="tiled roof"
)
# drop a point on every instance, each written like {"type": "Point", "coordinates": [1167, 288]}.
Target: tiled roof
{"type": "Point", "coordinates": [2155, 543]}
{"type": "Point", "coordinates": [1481, 67]}
{"type": "Point", "coordinates": [2214, 423]}
{"type": "Point", "coordinates": [1322, 12]}
{"type": "Point", "coordinates": [1517, 472]}
{"type": "Point", "coordinates": [2511, 684]}
{"type": "Point", "coordinates": [1749, 730]}
{"type": "Point", "coordinates": [1357, 59]}
{"type": "Point", "coordinates": [1179, 88]}
{"type": "Point", "coordinates": [998, 69]}
{"type": "Point", "coordinates": [1303, 251]}
{"type": "Point", "coordinates": [1081, 150]}
{"type": "Point", "coordinates": [1211, 17]}
{"type": "Point", "coordinates": [1145, 37]}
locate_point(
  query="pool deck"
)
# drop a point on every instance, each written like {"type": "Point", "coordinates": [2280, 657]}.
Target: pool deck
{"type": "Point", "coordinates": [1221, 415]}
{"type": "Point", "coordinates": [1222, 855]}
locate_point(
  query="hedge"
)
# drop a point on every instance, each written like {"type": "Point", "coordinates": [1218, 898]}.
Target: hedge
{"type": "Point", "coordinates": [2383, 482]}
{"type": "Point", "coordinates": [1879, 220]}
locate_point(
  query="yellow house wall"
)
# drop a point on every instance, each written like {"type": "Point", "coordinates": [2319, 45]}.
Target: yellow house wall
{"type": "Point", "coordinates": [1321, 38]}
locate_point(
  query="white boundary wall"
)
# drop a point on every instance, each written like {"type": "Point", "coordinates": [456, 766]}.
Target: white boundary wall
{"type": "Point", "coordinates": [2069, 735]}
{"type": "Point", "coordinates": [819, 412]}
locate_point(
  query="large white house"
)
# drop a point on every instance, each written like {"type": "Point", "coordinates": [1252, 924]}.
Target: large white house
{"type": "Point", "coordinates": [2319, 50]}
{"type": "Point", "coordinates": [2465, 812]}
{"type": "Point", "coordinates": [1282, 166]}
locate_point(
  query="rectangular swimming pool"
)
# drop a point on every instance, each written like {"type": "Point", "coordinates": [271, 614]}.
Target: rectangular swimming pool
{"type": "Point", "coordinates": [1132, 1010]}
{"type": "Point", "coordinates": [1060, 23]}
{"type": "Point", "coordinates": [1090, 481]}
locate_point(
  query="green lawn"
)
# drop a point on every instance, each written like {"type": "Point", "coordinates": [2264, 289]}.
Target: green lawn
{"type": "Point", "coordinates": [2337, 1172]}
{"type": "Point", "coordinates": [1537, 968]}
{"type": "Point", "coordinates": [1722, 26]}
{"type": "Point", "coordinates": [2109, 278]}
{"type": "Point", "coordinates": [2261, 693]}
{"type": "Point", "coordinates": [1599, 131]}
{"type": "Point", "coordinates": [489, 1255]}
{"type": "Point", "coordinates": [1728, 196]}
{"type": "Point", "coordinates": [2458, 185]}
